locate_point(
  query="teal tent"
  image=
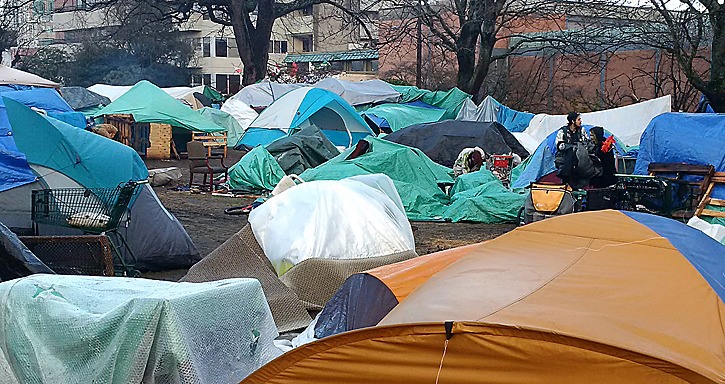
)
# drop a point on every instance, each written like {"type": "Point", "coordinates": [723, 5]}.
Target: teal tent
{"type": "Point", "coordinates": [150, 104]}
{"type": "Point", "coordinates": [399, 116]}
{"type": "Point", "coordinates": [416, 177]}
{"type": "Point", "coordinates": [91, 160]}
{"type": "Point", "coordinates": [223, 119]}
{"type": "Point", "coordinates": [451, 100]}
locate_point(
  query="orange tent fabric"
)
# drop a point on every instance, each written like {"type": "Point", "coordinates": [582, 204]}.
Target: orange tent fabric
{"type": "Point", "coordinates": [584, 298]}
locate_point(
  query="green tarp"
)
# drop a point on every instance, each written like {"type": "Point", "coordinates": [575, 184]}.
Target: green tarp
{"type": "Point", "coordinates": [451, 100]}
{"type": "Point", "coordinates": [149, 104]}
{"type": "Point", "coordinates": [223, 119]}
{"type": "Point", "coordinates": [400, 116]}
{"type": "Point", "coordinates": [255, 172]}
{"type": "Point", "coordinates": [213, 94]}
{"type": "Point", "coordinates": [415, 176]}
{"type": "Point", "coordinates": [480, 197]}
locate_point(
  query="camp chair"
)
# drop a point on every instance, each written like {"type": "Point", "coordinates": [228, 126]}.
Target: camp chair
{"type": "Point", "coordinates": [199, 163]}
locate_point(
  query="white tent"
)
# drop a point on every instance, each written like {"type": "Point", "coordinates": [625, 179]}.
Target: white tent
{"type": "Point", "coordinates": [15, 76]}
{"type": "Point", "coordinates": [264, 93]}
{"type": "Point", "coordinates": [242, 113]}
{"type": "Point", "coordinates": [360, 92]}
{"type": "Point", "coordinates": [113, 92]}
{"type": "Point", "coordinates": [627, 122]}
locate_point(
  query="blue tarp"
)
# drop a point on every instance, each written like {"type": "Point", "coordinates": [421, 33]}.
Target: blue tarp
{"type": "Point", "coordinates": [14, 169]}
{"type": "Point", "coordinates": [693, 138]}
{"type": "Point", "coordinates": [513, 120]}
{"type": "Point", "coordinates": [541, 163]}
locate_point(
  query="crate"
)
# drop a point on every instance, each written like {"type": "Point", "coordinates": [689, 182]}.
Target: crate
{"type": "Point", "coordinates": [159, 141]}
{"type": "Point", "coordinates": [73, 255]}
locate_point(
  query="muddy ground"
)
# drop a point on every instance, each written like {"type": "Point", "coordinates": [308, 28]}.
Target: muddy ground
{"type": "Point", "coordinates": [208, 226]}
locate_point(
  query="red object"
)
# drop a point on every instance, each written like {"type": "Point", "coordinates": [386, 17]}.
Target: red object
{"type": "Point", "coordinates": [502, 161]}
{"type": "Point", "coordinates": [293, 71]}
{"type": "Point", "coordinates": [607, 144]}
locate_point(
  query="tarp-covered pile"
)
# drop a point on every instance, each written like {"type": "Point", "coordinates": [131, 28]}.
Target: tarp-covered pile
{"type": "Point", "coordinates": [75, 329]}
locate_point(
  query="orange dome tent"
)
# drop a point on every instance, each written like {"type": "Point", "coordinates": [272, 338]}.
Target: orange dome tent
{"type": "Point", "coordinates": [596, 297]}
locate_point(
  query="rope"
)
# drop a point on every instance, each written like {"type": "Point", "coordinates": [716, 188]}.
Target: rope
{"type": "Point", "coordinates": [440, 367]}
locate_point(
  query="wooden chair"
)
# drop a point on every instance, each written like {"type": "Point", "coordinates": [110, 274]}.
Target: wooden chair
{"type": "Point", "coordinates": [677, 172]}
{"type": "Point", "coordinates": [215, 143]}
{"type": "Point", "coordinates": [717, 178]}
{"type": "Point", "coordinates": [199, 162]}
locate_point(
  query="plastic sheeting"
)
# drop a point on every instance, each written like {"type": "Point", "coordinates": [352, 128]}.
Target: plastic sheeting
{"type": "Point", "coordinates": [360, 92]}
{"type": "Point", "coordinates": [399, 116]}
{"type": "Point", "coordinates": [416, 177]}
{"type": "Point", "coordinates": [243, 113]}
{"type": "Point", "coordinates": [693, 138]}
{"type": "Point", "coordinates": [75, 329]}
{"type": "Point", "coordinates": [16, 260]}
{"type": "Point", "coordinates": [164, 109]}
{"type": "Point", "coordinates": [451, 100]}
{"type": "Point", "coordinates": [330, 219]}
{"type": "Point", "coordinates": [264, 93]}
{"type": "Point", "coordinates": [256, 171]}
{"type": "Point", "coordinates": [443, 141]}
{"type": "Point", "coordinates": [15, 76]}
{"type": "Point", "coordinates": [82, 98]}
{"type": "Point", "coordinates": [627, 122]}
{"type": "Point", "coordinates": [491, 110]}
{"type": "Point", "coordinates": [226, 120]}
{"type": "Point", "coordinates": [305, 149]}
{"type": "Point", "coordinates": [479, 196]}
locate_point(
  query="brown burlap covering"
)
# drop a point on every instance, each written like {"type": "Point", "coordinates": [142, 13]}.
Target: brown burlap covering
{"type": "Point", "coordinates": [316, 280]}
{"type": "Point", "coordinates": [241, 256]}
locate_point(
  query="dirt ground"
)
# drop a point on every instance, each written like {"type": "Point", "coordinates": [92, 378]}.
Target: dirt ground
{"type": "Point", "coordinates": [208, 226]}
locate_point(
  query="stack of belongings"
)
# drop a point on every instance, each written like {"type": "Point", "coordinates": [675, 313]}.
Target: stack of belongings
{"type": "Point", "coordinates": [304, 242]}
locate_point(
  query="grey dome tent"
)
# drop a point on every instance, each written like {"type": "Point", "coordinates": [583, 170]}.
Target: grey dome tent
{"type": "Point", "coordinates": [444, 140]}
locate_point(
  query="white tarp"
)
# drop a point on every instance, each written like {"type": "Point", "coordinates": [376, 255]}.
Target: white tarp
{"type": "Point", "coordinates": [527, 141]}
{"type": "Point", "coordinates": [486, 112]}
{"type": "Point", "coordinates": [242, 113]}
{"type": "Point", "coordinates": [15, 76]}
{"type": "Point", "coordinates": [360, 92]}
{"type": "Point", "coordinates": [264, 93]}
{"type": "Point", "coordinates": [83, 329]}
{"type": "Point", "coordinates": [627, 123]}
{"type": "Point", "coordinates": [345, 219]}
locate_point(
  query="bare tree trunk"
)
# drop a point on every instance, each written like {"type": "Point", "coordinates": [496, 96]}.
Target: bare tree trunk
{"type": "Point", "coordinates": [252, 40]}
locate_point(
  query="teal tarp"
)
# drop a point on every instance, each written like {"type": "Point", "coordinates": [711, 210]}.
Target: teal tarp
{"type": "Point", "coordinates": [451, 100]}
{"type": "Point", "coordinates": [227, 121]}
{"type": "Point", "coordinates": [400, 116]}
{"type": "Point", "coordinates": [480, 197]}
{"type": "Point", "coordinates": [415, 176]}
{"type": "Point", "coordinates": [150, 104]}
{"type": "Point", "coordinates": [255, 172]}
{"type": "Point", "coordinates": [90, 159]}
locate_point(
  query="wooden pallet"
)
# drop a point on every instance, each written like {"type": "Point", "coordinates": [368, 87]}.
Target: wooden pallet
{"type": "Point", "coordinates": [160, 141]}
{"type": "Point", "coordinates": [677, 172]}
{"type": "Point", "coordinates": [123, 123]}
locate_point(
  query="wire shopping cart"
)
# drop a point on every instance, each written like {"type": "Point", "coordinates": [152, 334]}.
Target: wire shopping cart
{"type": "Point", "coordinates": [93, 210]}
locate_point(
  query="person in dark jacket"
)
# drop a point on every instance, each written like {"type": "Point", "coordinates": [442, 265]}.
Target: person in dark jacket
{"type": "Point", "coordinates": [604, 151]}
{"type": "Point", "coordinates": [568, 139]}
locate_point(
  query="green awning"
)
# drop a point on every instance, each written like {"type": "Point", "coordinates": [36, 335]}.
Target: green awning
{"type": "Point", "coordinates": [321, 57]}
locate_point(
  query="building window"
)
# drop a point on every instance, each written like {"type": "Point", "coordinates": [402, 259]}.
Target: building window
{"type": "Point", "coordinates": [206, 79]}
{"type": "Point", "coordinates": [357, 66]}
{"type": "Point", "coordinates": [228, 84]}
{"type": "Point", "coordinates": [306, 43]}
{"type": "Point", "coordinates": [232, 49]}
{"type": "Point", "coordinates": [206, 47]}
{"type": "Point", "coordinates": [277, 46]}
{"type": "Point", "coordinates": [221, 47]}
{"type": "Point", "coordinates": [307, 11]}
{"type": "Point", "coordinates": [196, 80]}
